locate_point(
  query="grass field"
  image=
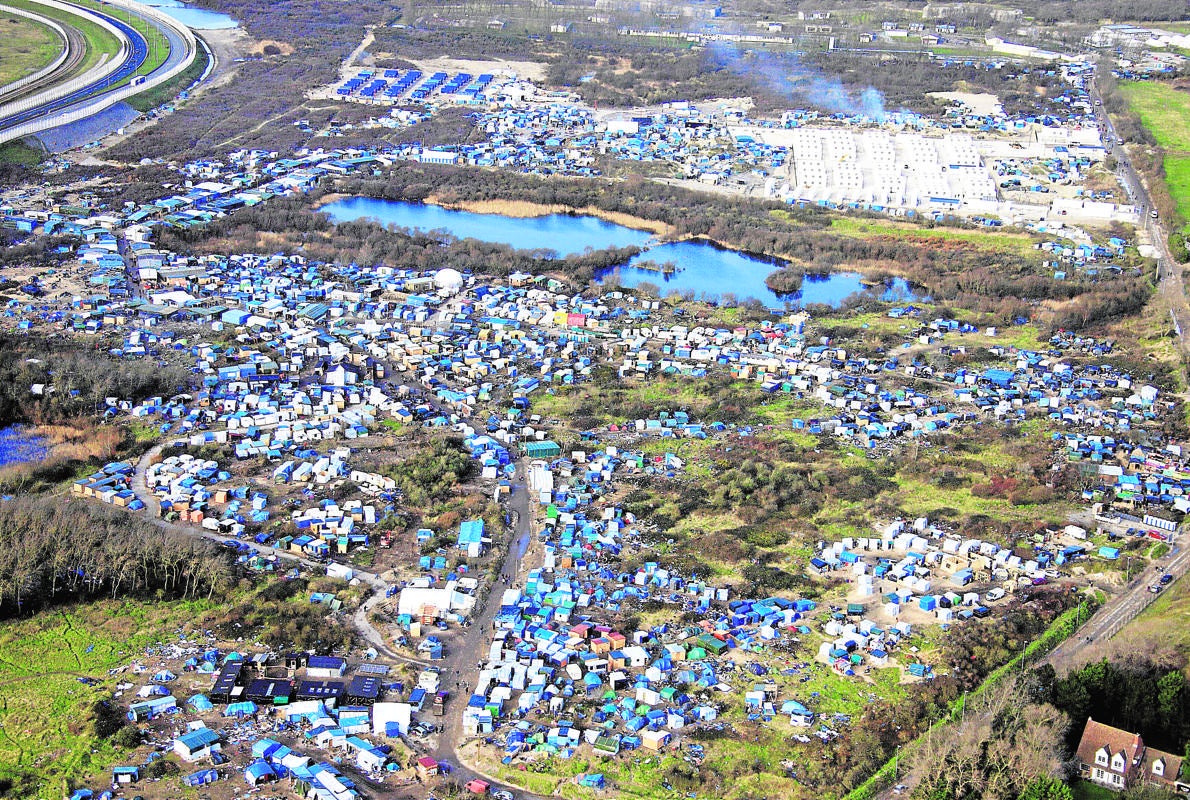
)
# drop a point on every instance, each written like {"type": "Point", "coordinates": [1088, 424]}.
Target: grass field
{"type": "Point", "coordinates": [99, 41]}
{"type": "Point", "coordinates": [25, 47]}
{"type": "Point", "coordinates": [44, 710]}
{"type": "Point", "coordinates": [19, 153]}
{"type": "Point", "coordinates": [1085, 790]}
{"type": "Point", "coordinates": [1165, 112]}
{"type": "Point", "coordinates": [999, 242]}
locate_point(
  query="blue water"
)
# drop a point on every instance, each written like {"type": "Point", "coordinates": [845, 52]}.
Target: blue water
{"type": "Point", "coordinates": [711, 272]}
{"type": "Point", "coordinates": [198, 18]}
{"type": "Point", "coordinates": [563, 234]}
{"type": "Point", "coordinates": [706, 270]}
{"type": "Point", "coordinates": [18, 445]}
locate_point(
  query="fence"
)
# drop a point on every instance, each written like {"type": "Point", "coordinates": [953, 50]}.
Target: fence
{"type": "Point", "coordinates": [109, 99]}
{"type": "Point", "coordinates": [17, 85]}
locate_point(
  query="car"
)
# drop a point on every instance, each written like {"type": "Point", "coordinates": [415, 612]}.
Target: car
{"type": "Point", "coordinates": [1156, 588]}
{"type": "Point", "coordinates": [1153, 214]}
{"type": "Point", "coordinates": [502, 794]}
{"type": "Point", "coordinates": [1165, 579]}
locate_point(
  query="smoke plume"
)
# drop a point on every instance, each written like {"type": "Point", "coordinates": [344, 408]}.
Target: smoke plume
{"type": "Point", "coordinates": [787, 76]}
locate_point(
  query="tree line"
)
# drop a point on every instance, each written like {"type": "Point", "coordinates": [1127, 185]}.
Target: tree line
{"type": "Point", "coordinates": [1136, 694]}
{"type": "Point", "coordinates": [54, 551]}
{"type": "Point", "coordinates": [80, 379]}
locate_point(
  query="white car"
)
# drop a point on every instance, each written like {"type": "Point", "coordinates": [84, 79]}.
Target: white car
{"type": "Point", "coordinates": [995, 594]}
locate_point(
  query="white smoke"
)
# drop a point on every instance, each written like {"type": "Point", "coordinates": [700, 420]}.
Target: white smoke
{"type": "Point", "coordinates": [787, 76]}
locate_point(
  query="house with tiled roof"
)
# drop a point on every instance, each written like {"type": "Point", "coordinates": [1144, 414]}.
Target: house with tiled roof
{"type": "Point", "coordinates": [1119, 760]}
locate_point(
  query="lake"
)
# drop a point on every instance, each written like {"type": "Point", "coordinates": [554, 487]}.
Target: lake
{"type": "Point", "coordinates": [18, 445]}
{"type": "Point", "coordinates": [704, 268]}
{"type": "Point", "coordinates": [565, 234]}
{"type": "Point", "coordinates": [712, 271]}
{"type": "Point", "coordinates": [198, 18]}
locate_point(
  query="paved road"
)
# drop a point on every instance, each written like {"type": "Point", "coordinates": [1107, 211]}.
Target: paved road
{"type": "Point", "coordinates": [1170, 285]}
{"type": "Point", "coordinates": [1116, 613]}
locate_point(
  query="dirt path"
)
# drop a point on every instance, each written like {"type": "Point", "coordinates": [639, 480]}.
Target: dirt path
{"type": "Point", "coordinates": [460, 669]}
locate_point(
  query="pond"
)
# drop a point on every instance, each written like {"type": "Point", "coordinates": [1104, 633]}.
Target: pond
{"type": "Point", "coordinates": [18, 446]}
{"type": "Point", "coordinates": [710, 271]}
{"type": "Point", "coordinates": [198, 18]}
{"type": "Point", "coordinates": [703, 268]}
{"type": "Point", "coordinates": [563, 233]}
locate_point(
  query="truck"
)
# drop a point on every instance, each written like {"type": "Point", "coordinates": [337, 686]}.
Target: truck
{"type": "Point", "coordinates": [429, 680]}
{"type": "Point", "coordinates": [340, 571]}
{"type": "Point", "coordinates": [440, 703]}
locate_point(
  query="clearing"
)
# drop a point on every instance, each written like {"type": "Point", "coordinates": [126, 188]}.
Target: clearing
{"type": "Point", "coordinates": [533, 70]}
{"type": "Point", "coordinates": [45, 711]}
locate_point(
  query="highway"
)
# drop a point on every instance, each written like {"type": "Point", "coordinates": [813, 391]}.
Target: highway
{"type": "Point", "coordinates": [1170, 285]}
{"type": "Point", "coordinates": [134, 58]}
{"type": "Point", "coordinates": [110, 85]}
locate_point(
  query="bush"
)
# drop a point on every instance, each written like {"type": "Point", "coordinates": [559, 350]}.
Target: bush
{"type": "Point", "coordinates": [161, 768]}
{"type": "Point", "coordinates": [107, 720]}
{"type": "Point", "coordinates": [128, 737]}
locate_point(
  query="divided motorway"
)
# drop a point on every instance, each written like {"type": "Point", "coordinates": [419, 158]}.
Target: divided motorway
{"type": "Point", "coordinates": [109, 85]}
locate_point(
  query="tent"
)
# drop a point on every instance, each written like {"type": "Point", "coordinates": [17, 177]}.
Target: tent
{"type": "Point", "coordinates": [200, 703]}
{"type": "Point", "coordinates": [164, 676]}
{"type": "Point", "coordinates": [258, 772]}
{"type": "Point", "coordinates": [202, 777]}
{"type": "Point", "coordinates": [244, 709]}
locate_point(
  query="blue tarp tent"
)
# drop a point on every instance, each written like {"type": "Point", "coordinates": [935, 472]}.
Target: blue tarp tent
{"type": "Point", "coordinates": [258, 772]}
{"type": "Point", "coordinates": [244, 709]}
{"type": "Point", "coordinates": [200, 703]}
{"type": "Point", "coordinates": [202, 777]}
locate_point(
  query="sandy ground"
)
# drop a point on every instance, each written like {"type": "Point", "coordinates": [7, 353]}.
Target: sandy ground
{"type": "Point", "coordinates": [228, 44]}
{"type": "Point", "coordinates": [532, 70]}
{"type": "Point", "coordinates": [979, 103]}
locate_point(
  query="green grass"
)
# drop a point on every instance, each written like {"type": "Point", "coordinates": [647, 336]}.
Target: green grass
{"type": "Point", "coordinates": [1165, 112]}
{"type": "Point", "coordinates": [1086, 790]}
{"type": "Point", "coordinates": [99, 41]}
{"type": "Point", "coordinates": [535, 782]}
{"type": "Point", "coordinates": [858, 228]}
{"type": "Point", "coordinates": [17, 152]}
{"type": "Point", "coordinates": [44, 711]}
{"type": "Point", "coordinates": [25, 47]}
{"type": "Point", "coordinates": [919, 497]}
{"type": "Point", "coordinates": [1177, 178]}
